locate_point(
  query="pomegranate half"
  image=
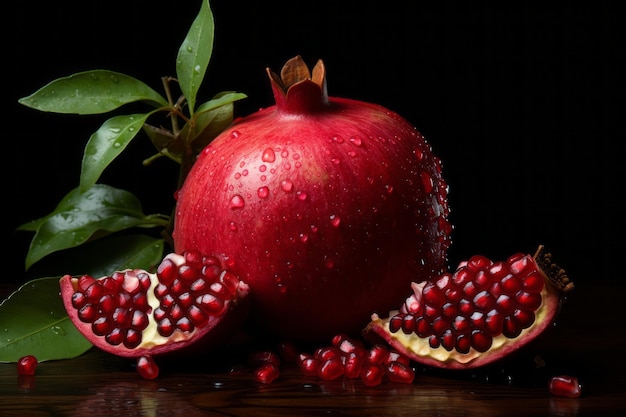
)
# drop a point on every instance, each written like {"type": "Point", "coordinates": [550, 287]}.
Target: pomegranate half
{"type": "Point", "coordinates": [482, 312]}
{"type": "Point", "coordinates": [328, 208]}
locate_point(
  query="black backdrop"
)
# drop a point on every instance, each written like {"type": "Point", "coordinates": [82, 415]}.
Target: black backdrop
{"type": "Point", "coordinates": [521, 103]}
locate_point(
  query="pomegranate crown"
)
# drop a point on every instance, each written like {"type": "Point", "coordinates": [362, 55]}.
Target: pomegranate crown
{"type": "Point", "coordinates": [296, 90]}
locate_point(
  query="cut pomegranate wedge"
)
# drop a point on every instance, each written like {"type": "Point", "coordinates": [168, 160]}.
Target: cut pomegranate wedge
{"type": "Point", "coordinates": [481, 313]}
{"type": "Point", "coordinates": [134, 313]}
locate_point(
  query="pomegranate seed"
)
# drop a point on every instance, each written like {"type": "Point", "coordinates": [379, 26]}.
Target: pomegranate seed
{"type": "Point", "coordinates": [533, 282]}
{"type": "Point", "coordinates": [377, 354]}
{"type": "Point", "coordinates": [85, 282]}
{"type": "Point", "coordinates": [399, 372]}
{"type": "Point", "coordinates": [101, 326]}
{"type": "Point", "coordinates": [78, 300]}
{"type": "Point", "coordinates": [395, 356]}
{"type": "Point", "coordinates": [478, 262]}
{"type": "Point", "coordinates": [197, 316]}
{"type": "Point", "coordinates": [327, 352]}
{"type": "Point", "coordinates": [372, 374]}
{"type": "Point", "coordinates": [353, 363]}
{"type": "Point", "coordinates": [26, 365]}
{"type": "Point", "coordinates": [187, 273]}
{"type": "Point", "coordinates": [133, 338]}
{"type": "Point", "coordinates": [210, 303]}
{"type": "Point", "coordinates": [433, 296]}
{"type": "Point", "coordinates": [88, 313]}
{"type": "Point", "coordinates": [167, 272]}
{"type": "Point", "coordinates": [565, 386]}
{"type": "Point", "coordinates": [481, 341]}
{"type": "Point", "coordinates": [266, 373]}
{"type": "Point", "coordinates": [511, 284]}
{"type": "Point", "coordinates": [307, 364]}
{"type": "Point", "coordinates": [147, 368]}
{"type": "Point", "coordinates": [330, 369]}
{"type": "Point", "coordinates": [528, 300]}
{"type": "Point", "coordinates": [395, 323]}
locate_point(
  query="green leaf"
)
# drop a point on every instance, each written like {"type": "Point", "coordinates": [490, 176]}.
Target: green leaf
{"type": "Point", "coordinates": [210, 119]}
{"type": "Point", "coordinates": [34, 321]}
{"type": "Point", "coordinates": [194, 55]}
{"type": "Point", "coordinates": [103, 256]}
{"type": "Point", "coordinates": [92, 92]}
{"type": "Point", "coordinates": [106, 144]}
{"type": "Point", "coordinates": [77, 218]}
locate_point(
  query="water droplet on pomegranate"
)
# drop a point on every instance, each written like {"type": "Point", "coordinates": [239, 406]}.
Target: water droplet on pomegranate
{"type": "Point", "coordinates": [337, 139]}
{"type": "Point", "coordinates": [314, 228]}
{"type": "Point", "coordinates": [427, 181]}
{"type": "Point", "coordinates": [302, 195]}
{"type": "Point", "coordinates": [335, 161]}
{"type": "Point", "coordinates": [389, 188]}
{"type": "Point", "coordinates": [304, 237]}
{"type": "Point", "coordinates": [233, 226]}
{"type": "Point", "coordinates": [329, 263]}
{"type": "Point", "coordinates": [235, 133]}
{"type": "Point", "coordinates": [263, 192]}
{"type": "Point", "coordinates": [286, 185]}
{"type": "Point", "coordinates": [268, 155]}
{"type": "Point", "coordinates": [335, 220]}
{"type": "Point", "coordinates": [237, 202]}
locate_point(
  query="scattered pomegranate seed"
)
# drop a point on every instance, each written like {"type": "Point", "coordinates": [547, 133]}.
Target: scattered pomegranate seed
{"type": "Point", "coordinates": [147, 368]}
{"type": "Point", "coordinates": [349, 358]}
{"type": "Point", "coordinates": [266, 373]}
{"type": "Point", "coordinates": [26, 365]}
{"type": "Point", "coordinates": [565, 386]}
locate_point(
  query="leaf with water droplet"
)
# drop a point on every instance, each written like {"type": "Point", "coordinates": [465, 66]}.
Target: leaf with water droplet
{"type": "Point", "coordinates": [101, 209]}
{"type": "Point", "coordinates": [92, 92]}
{"type": "Point", "coordinates": [106, 144]}
{"type": "Point", "coordinates": [194, 55]}
{"type": "Point", "coordinates": [32, 329]}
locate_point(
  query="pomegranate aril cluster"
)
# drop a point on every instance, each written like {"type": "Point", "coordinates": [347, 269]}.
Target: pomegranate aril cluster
{"type": "Point", "coordinates": [117, 306]}
{"type": "Point", "coordinates": [349, 358]}
{"type": "Point", "coordinates": [479, 301]}
{"type": "Point", "coordinates": [191, 293]}
{"type": "Point", "coordinates": [188, 293]}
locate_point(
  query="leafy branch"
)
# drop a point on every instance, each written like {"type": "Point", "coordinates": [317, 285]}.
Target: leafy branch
{"type": "Point", "coordinates": [93, 211]}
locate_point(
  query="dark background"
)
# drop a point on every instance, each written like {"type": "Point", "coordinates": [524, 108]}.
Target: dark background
{"type": "Point", "coordinates": [521, 103]}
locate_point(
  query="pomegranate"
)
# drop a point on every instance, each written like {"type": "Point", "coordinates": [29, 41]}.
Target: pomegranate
{"type": "Point", "coordinates": [329, 207]}
{"type": "Point", "coordinates": [137, 314]}
{"type": "Point", "coordinates": [480, 313]}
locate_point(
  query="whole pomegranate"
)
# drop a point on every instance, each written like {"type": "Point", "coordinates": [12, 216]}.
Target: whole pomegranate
{"type": "Point", "coordinates": [326, 207]}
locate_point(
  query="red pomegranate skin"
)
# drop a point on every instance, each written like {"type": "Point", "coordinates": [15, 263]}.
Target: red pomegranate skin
{"type": "Point", "coordinates": [327, 212]}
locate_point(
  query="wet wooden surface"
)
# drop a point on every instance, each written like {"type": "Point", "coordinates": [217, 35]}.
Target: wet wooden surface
{"type": "Point", "coordinates": [583, 344]}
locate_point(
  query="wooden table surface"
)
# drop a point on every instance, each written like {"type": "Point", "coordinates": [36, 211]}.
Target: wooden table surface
{"type": "Point", "coordinates": [584, 344]}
